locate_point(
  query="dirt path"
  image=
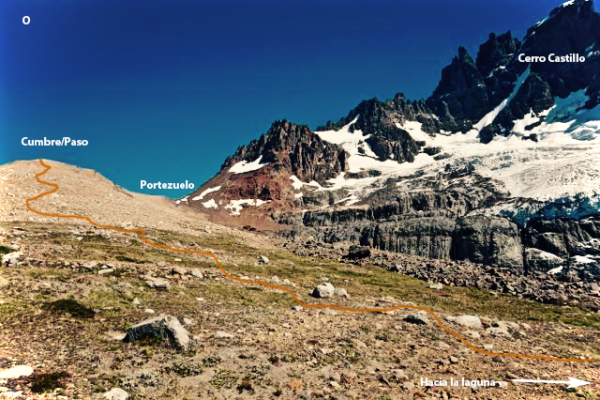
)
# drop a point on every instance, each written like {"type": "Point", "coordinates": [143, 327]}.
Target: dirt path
{"type": "Point", "coordinates": [211, 255]}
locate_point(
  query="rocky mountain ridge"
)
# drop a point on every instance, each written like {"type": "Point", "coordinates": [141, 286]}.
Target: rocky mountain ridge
{"type": "Point", "coordinates": [473, 172]}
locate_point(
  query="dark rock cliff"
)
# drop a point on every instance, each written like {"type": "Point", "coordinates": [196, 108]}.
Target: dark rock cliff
{"type": "Point", "coordinates": [295, 149]}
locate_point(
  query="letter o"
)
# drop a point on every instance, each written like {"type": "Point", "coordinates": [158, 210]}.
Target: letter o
{"type": "Point", "coordinates": [26, 20]}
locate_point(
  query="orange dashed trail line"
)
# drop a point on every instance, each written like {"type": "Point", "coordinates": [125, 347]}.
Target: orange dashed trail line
{"type": "Point", "coordinates": [233, 278]}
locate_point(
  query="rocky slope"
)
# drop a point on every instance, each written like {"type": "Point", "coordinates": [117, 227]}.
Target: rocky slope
{"type": "Point", "coordinates": [499, 166]}
{"type": "Point", "coordinates": [86, 192]}
{"type": "Point", "coordinates": [71, 311]}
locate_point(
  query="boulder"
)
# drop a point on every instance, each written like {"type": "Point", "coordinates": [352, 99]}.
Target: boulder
{"type": "Point", "coordinates": [115, 335]}
{"type": "Point", "coordinates": [419, 318]}
{"type": "Point", "coordinates": [263, 260]}
{"type": "Point", "coordinates": [162, 326]}
{"type": "Point", "coordinates": [358, 252]}
{"type": "Point", "coordinates": [196, 273]}
{"type": "Point", "coordinates": [223, 335]}
{"type": "Point", "coordinates": [16, 372]}
{"type": "Point", "coordinates": [106, 271]}
{"type": "Point", "coordinates": [472, 334]}
{"type": "Point", "coordinates": [115, 394]}
{"type": "Point", "coordinates": [539, 260]}
{"type": "Point", "coordinates": [441, 345]}
{"type": "Point", "coordinates": [497, 332]}
{"type": "Point", "coordinates": [90, 264]}
{"type": "Point", "coordinates": [513, 326]}
{"type": "Point", "coordinates": [323, 290]}
{"type": "Point", "coordinates": [468, 321]}
{"type": "Point", "coordinates": [11, 259]}
{"type": "Point", "coordinates": [158, 283]}
{"type": "Point", "coordinates": [179, 270]}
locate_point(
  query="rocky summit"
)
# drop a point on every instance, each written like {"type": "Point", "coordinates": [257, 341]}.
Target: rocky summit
{"type": "Point", "coordinates": [499, 166]}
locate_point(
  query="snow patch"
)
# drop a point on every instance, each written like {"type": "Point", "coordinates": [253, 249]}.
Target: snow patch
{"type": "Point", "coordinates": [185, 199]}
{"type": "Point", "coordinates": [352, 199]}
{"type": "Point", "coordinates": [501, 67]}
{"type": "Point", "coordinates": [491, 116]}
{"type": "Point", "coordinates": [296, 183]}
{"type": "Point", "coordinates": [207, 191]}
{"type": "Point", "coordinates": [583, 260]}
{"type": "Point", "coordinates": [362, 158]}
{"type": "Point", "coordinates": [210, 204]}
{"type": "Point", "coordinates": [541, 22]}
{"type": "Point", "coordinates": [527, 120]}
{"type": "Point", "coordinates": [555, 270]}
{"type": "Point", "coordinates": [236, 205]}
{"type": "Point", "coordinates": [245, 166]}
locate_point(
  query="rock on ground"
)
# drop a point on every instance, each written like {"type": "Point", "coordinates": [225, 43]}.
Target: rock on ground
{"type": "Point", "coordinates": [468, 321]}
{"type": "Point", "coordinates": [419, 318]}
{"type": "Point", "coordinates": [11, 258]}
{"type": "Point", "coordinates": [158, 283]}
{"type": "Point", "coordinates": [442, 345]}
{"type": "Point", "coordinates": [323, 290]}
{"type": "Point", "coordinates": [16, 372]}
{"type": "Point", "coordinates": [115, 394]}
{"type": "Point", "coordinates": [472, 334]}
{"type": "Point", "coordinates": [497, 332]}
{"type": "Point", "coordinates": [179, 270]}
{"type": "Point", "coordinates": [115, 335]}
{"type": "Point", "coordinates": [357, 252]}
{"type": "Point", "coordinates": [196, 273]}
{"type": "Point", "coordinates": [164, 326]}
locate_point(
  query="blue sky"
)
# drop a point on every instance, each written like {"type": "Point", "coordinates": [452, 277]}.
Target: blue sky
{"type": "Point", "coordinates": [165, 90]}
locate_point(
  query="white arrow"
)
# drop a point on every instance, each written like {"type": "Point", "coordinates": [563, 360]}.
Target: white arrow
{"type": "Point", "coordinates": [573, 382]}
